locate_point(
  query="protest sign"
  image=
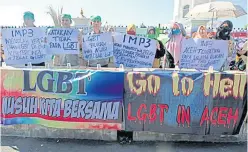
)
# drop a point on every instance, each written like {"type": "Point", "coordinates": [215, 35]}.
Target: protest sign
{"type": "Point", "coordinates": [185, 102]}
{"type": "Point", "coordinates": [200, 54]}
{"type": "Point", "coordinates": [63, 41]}
{"type": "Point", "coordinates": [76, 99]}
{"type": "Point", "coordinates": [97, 46]}
{"type": "Point", "coordinates": [24, 45]}
{"type": "Point", "coordinates": [134, 51]}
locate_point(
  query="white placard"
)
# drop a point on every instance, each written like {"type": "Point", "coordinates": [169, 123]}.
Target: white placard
{"type": "Point", "coordinates": [201, 53]}
{"type": "Point", "coordinates": [97, 46]}
{"type": "Point", "coordinates": [63, 41]}
{"type": "Point", "coordinates": [134, 51]}
{"type": "Point", "coordinates": [24, 45]}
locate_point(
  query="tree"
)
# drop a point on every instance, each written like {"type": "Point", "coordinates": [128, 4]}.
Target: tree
{"type": "Point", "coordinates": [56, 16]}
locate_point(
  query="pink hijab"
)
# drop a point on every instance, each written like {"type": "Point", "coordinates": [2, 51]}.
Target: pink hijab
{"type": "Point", "coordinates": [174, 44]}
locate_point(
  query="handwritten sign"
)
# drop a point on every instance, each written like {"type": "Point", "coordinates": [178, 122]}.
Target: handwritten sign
{"type": "Point", "coordinates": [97, 46]}
{"type": "Point", "coordinates": [134, 51]}
{"type": "Point", "coordinates": [201, 53]}
{"type": "Point", "coordinates": [63, 41]}
{"type": "Point", "coordinates": [24, 45]}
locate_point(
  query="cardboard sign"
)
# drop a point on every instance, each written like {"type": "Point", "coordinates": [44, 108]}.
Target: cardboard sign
{"type": "Point", "coordinates": [24, 45]}
{"type": "Point", "coordinates": [63, 41]}
{"type": "Point", "coordinates": [97, 46]}
{"type": "Point", "coordinates": [134, 51]}
{"type": "Point", "coordinates": [200, 54]}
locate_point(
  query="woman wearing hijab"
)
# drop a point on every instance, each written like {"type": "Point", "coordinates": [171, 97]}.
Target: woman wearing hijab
{"type": "Point", "coordinates": [131, 29]}
{"type": "Point", "coordinates": [201, 33]}
{"type": "Point", "coordinates": [241, 59]}
{"type": "Point", "coordinates": [176, 36]}
{"type": "Point", "coordinates": [160, 52]}
{"type": "Point", "coordinates": [224, 33]}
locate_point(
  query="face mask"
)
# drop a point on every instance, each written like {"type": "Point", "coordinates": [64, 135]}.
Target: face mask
{"type": "Point", "coordinates": [151, 36]}
{"type": "Point", "coordinates": [176, 31]}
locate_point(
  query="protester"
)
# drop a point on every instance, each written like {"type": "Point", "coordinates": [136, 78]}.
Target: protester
{"type": "Point", "coordinates": [176, 35]}
{"type": "Point", "coordinates": [96, 22]}
{"type": "Point", "coordinates": [201, 33]}
{"type": "Point", "coordinates": [131, 29]}
{"type": "Point", "coordinates": [64, 59]}
{"type": "Point", "coordinates": [29, 20]}
{"type": "Point", "coordinates": [224, 33]}
{"type": "Point", "coordinates": [160, 51]}
{"type": "Point", "coordinates": [241, 59]}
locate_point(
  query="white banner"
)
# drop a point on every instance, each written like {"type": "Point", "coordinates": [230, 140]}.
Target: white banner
{"type": "Point", "coordinates": [134, 51]}
{"type": "Point", "coordinates": [97, 46]}
{"type": "Point", "coordinates": [200, 54]}
{"type": "Point", "coordinates": [24, 45]}
{"type": "Point", "coordinates": [63, 41]}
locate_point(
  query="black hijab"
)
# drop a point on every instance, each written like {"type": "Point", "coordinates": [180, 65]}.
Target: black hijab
{"type": "Point", "coordinates": [223, 32]}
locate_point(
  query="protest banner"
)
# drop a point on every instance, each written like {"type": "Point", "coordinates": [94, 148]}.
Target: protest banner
{"type": "Point", "coordinates": [200, 54]}
{"type": "Point", "coordinates": [63, 41]}
{"type": "Point", "coordinates": [97, 46]}
{"type": "Point", "coordinates": [134, 51]}
{"type": "Point", "coordinates": [24, 45]}
{"type": "Point", "coordinates": [185, 102]}
{"type": "Point", "coordinates": [75, 99]}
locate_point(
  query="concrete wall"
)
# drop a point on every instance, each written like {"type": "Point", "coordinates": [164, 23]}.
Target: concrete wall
{"type": "Point", "coordinates": [44, 132]}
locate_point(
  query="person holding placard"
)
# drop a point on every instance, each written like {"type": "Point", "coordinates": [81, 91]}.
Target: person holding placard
{"type": "Point", "coordinates": [64, 59]}
{"type": "Point", "coordinates": [176, 35]}
{"type": "Point", "coordinates": [160, 52]}
{"type": "Point", "coordinates": [29, 20]}
{"type": "Point", "coordinates": [96, 22]}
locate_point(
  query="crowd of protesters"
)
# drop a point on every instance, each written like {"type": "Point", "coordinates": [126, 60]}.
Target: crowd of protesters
{"type": "Point", "coordinates": [169, 52]}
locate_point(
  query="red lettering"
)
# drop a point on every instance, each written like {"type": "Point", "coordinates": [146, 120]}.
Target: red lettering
{"type": "Point", "coordinates": [179, 113]}
{"type": "Point", "coordinates": [234, 117]}
{"type": "Point", "coordinates": [185, 116]}
{"type": "Point", "coordinates": [129, 113]}
{"type": "Point", "coordinates": [144, 115]}
{"type": "Point", "coordinates": [153, 113]}
{"type": "Point", "coordinates": [205, 116]}
{"type": "Point", "coordinates": [213, 113]}
{"type": "Point", "coordinates": [162, 108]}
{"type": "Point", "coordinates": [222, 115]}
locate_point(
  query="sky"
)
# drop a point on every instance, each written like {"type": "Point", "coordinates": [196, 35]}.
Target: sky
{"type": "Point", "coordinates": [115, 12]}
